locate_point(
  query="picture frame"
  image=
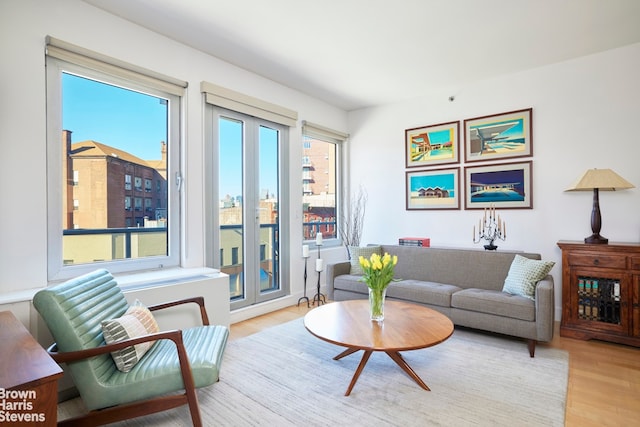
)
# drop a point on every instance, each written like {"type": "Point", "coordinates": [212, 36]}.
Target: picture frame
{"type": "Point", "coordinates": [503, 185]}
{"type": "Point", "coordinates": [433, 189]}
{"type": "Point", "coordinates": [432, 145]}
{"type": "Point", "coordinates": [499, 136]}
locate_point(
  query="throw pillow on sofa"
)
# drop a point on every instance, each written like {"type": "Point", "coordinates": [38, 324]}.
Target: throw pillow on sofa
{"type": "Point", "coordinates": [365, 251]}
{"type": "Point", "coordinates": [137, 321]}
{"type": "Point", "coordinates": [524, 274]}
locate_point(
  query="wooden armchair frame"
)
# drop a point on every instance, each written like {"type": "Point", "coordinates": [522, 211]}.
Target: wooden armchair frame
{"type": "Point", "coordinates": [148, 406]}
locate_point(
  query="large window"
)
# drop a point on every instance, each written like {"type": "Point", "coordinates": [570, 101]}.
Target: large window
{"type": "Point", "coordinates": [321, 150]}
{"type": "Point", "coordinates": [112, 131]}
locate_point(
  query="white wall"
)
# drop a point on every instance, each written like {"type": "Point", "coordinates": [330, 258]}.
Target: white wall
{"type": "Point", "coordinates": [585, 115]}
{"type": "Point", "coordinates": [23, 198]}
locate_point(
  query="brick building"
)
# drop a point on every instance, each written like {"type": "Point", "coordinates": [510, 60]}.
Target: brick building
{"type": "Point", "coordinates": [319, 188]}
{"type": "Point", "coordinates": [110, 188]}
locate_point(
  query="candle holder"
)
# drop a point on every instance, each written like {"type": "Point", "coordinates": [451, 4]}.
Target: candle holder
{"type": "Point", "coordinates": [490, 229]}
{"type": "Point", "coordinates": [305, 297]}
{"type": "Point", "coordinates": [319, 297]}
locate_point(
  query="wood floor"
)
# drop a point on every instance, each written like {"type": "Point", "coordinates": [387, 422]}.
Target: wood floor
{"type": "Point", "coordinates": [604, 378]}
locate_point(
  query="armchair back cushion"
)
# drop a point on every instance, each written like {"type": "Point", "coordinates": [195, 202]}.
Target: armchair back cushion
{"type": "Point", "coordinates": [74, 311]}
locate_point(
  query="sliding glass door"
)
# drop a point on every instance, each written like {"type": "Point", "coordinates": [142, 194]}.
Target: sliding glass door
{"type": "Point", "coordinates": [248, 213]}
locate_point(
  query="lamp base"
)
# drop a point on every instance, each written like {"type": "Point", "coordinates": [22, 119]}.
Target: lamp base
{"type": "Point", "coordinates": [596, 239]}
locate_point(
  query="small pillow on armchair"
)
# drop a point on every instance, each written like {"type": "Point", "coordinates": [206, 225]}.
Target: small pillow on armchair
{"type": "Point", "coordinates": [137, 321]}
{"type": "Point", "coordinates": [524, 274]}
{"type": "Point", "coordinates": [365, 251]}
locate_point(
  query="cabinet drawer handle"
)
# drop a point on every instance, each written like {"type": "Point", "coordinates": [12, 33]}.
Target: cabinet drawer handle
{"type": "Point", "coordinates": [596, 261]}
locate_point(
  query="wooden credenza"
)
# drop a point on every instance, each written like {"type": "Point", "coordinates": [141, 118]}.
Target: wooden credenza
{"type": "Point", "coordinates": [601, 291]}
{"type": "Point", "coordinates": [28, 377]}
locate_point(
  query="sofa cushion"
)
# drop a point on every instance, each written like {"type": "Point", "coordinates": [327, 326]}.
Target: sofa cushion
{"type": "Point", "coordinates": [524, 274]}
{"type": "Point", "coordinates": [408, 290]}
{"type": "Point", "coordinates": [137, 321]}
{"type": "Point", "coordinates": [350, 282]}
{"type": "Point", "coordinates": [422, 292]}
{"type": "Point", "coordinates": [495, 302]}
{"type": "Point", "coordinates": [466, 268]}
{"type": "Point", "coordinates": [365, 251]}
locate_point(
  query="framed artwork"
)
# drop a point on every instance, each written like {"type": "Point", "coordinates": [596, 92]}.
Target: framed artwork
{"type": "Point", "coordinates": [432, 145]}
{"type": "Point", "coordinates": [433, 189]}
{"type": "Point", "coordinates": [505, 186]}
{"type": "Point", "coordinates": [499, 136]}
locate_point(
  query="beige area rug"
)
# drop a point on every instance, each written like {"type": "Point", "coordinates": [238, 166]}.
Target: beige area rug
{"type": "Point", "coordinates": [284, 376]}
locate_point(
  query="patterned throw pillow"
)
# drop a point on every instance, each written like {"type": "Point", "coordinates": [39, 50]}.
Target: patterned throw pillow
{"type": "Point", "coordinates": [365, 251]}
{"type": "Point", "coordinates": [137, 321]}
{"type": "Point", "coordinates": [524, 275]}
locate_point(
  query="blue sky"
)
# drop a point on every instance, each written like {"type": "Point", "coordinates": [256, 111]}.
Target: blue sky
{"type": "Point", "coordinates": [136, 123]}
{"type": "Point", "coordinates": [117, 117]}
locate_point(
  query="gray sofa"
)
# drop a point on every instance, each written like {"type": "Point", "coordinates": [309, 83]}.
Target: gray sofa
{"type": "Point", "coordinates": [463, 284]}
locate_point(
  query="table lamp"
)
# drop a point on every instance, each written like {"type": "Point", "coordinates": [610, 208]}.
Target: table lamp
{"type": "Point", "coordinates": [596, 180]}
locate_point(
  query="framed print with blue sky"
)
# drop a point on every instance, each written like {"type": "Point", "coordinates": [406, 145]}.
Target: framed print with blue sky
{"type": "Point", "coordinates": [505, 186]}
{"type": "Point", "coordinates": [499, 136]}
{"type": "Point", "coordinates": [433, 189]}
{"type": "Point", "coordinates": [432, 145]}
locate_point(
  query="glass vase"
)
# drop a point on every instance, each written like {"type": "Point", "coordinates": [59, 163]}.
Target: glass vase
{"type": "Point", "coordinates": [376, 303]}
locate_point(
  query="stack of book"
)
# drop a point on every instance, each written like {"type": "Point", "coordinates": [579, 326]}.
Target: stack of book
{"type": "Point", "coordinates": [414, 241]}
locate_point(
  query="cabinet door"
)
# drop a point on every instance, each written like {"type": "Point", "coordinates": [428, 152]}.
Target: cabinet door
{"type": "Point", "coordinates": [600, 299]}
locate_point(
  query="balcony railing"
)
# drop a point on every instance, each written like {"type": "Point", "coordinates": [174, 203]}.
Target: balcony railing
{"type": "Point", "coordinates": [311, 229]}
{"type": "Point", "coordinates": [82, 246]}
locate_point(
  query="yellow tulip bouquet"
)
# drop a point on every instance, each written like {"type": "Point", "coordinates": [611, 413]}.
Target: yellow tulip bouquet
{"type": "Point", "coordinates": [377, 274]}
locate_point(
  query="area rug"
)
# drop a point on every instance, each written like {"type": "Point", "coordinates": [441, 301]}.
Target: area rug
{"type": "Point", "coordinates": [284, 376]}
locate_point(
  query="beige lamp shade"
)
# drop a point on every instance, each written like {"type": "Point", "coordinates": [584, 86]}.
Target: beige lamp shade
{"type": "Point", "coordinates": [596, 180]}
{"type": "Point", "coordinates": [602, 179]}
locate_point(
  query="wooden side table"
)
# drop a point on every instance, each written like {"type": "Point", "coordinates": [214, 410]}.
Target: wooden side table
{"type": "Point", "coordinates": [601, 291]}
{"type": "Point", "coordinates": [28, 377]}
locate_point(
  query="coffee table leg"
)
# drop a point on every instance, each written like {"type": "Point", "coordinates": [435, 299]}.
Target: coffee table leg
{"type": "Point", "coordinates": [346, 353]}
{"type": "Point", "coordinates": [363, 361]}
{"type": "Point", "coordinates": [405, 366]}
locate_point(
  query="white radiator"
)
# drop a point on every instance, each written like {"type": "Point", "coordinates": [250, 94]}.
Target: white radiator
{"type": "Point", "coordinates": [214, 287]}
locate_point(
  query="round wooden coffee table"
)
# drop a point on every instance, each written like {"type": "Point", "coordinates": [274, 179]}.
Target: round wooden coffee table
{"type": "Point", "coordinates": [405, 327]}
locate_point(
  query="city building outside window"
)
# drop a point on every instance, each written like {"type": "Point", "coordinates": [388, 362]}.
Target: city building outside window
{"type": "Point", "coordinates": [321, 159]}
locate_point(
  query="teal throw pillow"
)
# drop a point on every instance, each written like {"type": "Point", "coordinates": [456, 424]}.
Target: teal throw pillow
{"type": "Point", "coordinates": [524, 275]}
{"type": "Point", "coordinates": [365, 251]}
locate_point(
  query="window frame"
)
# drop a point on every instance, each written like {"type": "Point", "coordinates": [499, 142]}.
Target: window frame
{"type": "Point", "coordinates": [107, 72]}
{"type": "Point", "coordinates": [339, 139]}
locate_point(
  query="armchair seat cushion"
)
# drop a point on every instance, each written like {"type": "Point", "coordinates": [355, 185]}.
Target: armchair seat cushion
{"type": "Point", "coordinates": [158, 371]}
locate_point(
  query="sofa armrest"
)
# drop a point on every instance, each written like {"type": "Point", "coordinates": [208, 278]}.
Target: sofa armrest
{"type": "Point", "coordinates": [545, 309]}
{"type": "Point", "coordinates": [334, 270]}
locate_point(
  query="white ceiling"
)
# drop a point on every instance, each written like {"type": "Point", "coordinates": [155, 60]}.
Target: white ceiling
{"type": "Point", "coordinates": [359, 53]}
